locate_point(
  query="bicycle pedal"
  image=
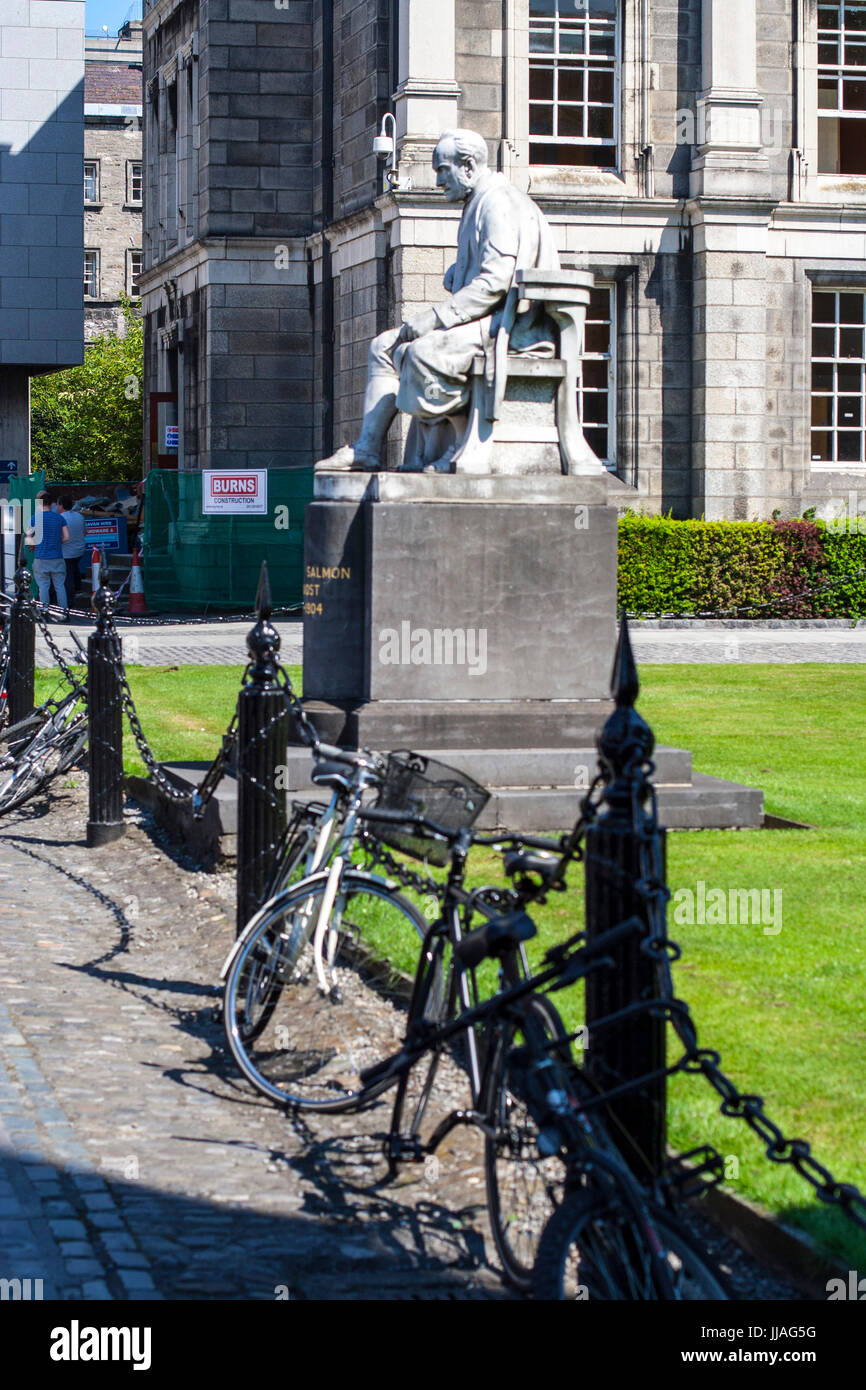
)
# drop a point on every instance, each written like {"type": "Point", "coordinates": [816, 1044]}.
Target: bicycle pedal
{"type": "Point", "coordinates": [402, 1149]}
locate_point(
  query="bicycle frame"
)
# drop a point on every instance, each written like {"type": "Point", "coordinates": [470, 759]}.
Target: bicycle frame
{"type": "Point", "coordinates": [333, 851]}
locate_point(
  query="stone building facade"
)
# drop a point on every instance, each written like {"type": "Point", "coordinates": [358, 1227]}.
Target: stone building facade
{"type": "Point", "coordinates": [113, 180]}
{"type": "Point", "coordinates": [41, 148]}
{"type": "Point", "coordinates": [706, 159]}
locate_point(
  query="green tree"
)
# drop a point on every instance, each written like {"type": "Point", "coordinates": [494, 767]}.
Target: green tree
{"type": "Point", "coordinates": [86, 423]}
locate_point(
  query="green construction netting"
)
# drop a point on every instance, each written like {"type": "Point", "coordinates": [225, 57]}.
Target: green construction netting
{"type": "Point", "coordinates": [23, 491]}
{"type": "Point", "coordinates": [193, 561]}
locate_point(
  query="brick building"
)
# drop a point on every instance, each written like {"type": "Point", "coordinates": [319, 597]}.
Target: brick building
{"type": "Point", "coordinates": [112, 175]}
{"type": "Point", "coordinates": [705, 158]}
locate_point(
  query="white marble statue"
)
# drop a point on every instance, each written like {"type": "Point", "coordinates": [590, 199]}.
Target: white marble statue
{"type": "Point", "coordinates": [423, 368]}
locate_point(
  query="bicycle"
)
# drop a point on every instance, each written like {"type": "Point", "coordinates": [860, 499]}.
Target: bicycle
{"type": "Point", "coordinates": [323, 939]}
{"type": "Point", "coordinates": [311, 1057]}
{"type": "Point", "coordinates": [532, 1104]}
{"type": "Point", "coordinates": [297, 944]}
{"type": "Point", "coordinates": [41, 747]}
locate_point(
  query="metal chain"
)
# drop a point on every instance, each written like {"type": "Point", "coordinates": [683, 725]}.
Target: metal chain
{"type": "Point", "coordinates": [378, 854]}
{"type": "Point", "coordinates": [164, 620]}
{"type": "Point", "coordinates": [303, 723]}
{"type": "Point", "coordinates": [198, 797]}
{"type": "Point", "coordinates": [700, 1060]}
{"type": "Point", "coordinates": [36, 614]}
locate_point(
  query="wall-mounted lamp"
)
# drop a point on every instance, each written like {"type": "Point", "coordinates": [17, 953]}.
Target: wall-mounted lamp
{"type": "Point", "coordinates": [385, 147]}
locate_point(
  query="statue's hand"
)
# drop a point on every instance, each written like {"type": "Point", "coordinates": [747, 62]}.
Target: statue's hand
{"type": "Point", "coordinates": [417, 327]}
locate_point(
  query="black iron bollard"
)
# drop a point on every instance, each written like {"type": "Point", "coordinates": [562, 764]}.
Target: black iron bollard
{"type": "Point", "coordinates": [104, 725]}
{"type": "Point", "coordinates": [22, 648]}
{"type": "Point", "coordinates": [619, 846]}
{"type": "Point", "coordinates": [263, 721]}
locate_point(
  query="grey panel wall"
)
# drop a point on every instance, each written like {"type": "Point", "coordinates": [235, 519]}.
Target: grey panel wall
{"type": "Point", "coordinates": [41, 213]}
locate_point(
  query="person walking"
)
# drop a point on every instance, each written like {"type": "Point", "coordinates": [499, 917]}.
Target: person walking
{"type": "Point", "coordinates": [74, 548]}
{"type": "Point", "coordinates": [47, 536]}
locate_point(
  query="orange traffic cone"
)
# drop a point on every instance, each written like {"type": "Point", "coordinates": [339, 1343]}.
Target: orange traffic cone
{"type": "Point", "coordinates": [136, 587]}
{"type": "Point", "coordinates": [94, 575]}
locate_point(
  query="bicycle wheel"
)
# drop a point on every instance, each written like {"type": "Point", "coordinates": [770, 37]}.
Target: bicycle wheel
{"type": "Point", "coordinates": [16, 737]}
{"type": "Point", "coordinates": [309, 1050]}
{"type": "Point", "coordinates": [42, 761]}
{"type": "Point", "coordinates": [522, 1186]}
{"type": "Point", "coordinates": [593, 1249]}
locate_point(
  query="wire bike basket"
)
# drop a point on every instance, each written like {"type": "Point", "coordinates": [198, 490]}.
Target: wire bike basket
{"type": "Point", "coordinates": [424, 787]}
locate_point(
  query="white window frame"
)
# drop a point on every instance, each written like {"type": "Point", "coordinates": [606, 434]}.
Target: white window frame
{"type": "Point", "coordinates": [130, 276]}
{"type": "Point", "coordinates": [95, 201]}
{"type": "Point", "coordinates": [841, 72]}
{"type": "Point", "coordinates": [813, 186]}
{"type": "Point", "coordinates": [562, 61]}
{"type": "Point", "coordinates": [610, 461]}
{"type": "Point", "coordinates": [838, 465]}
{"type": "Point", "coordinates": [131, 199]}
{"type": "Point", "coordinates": [632, 72]}
{"type": "Point", "coordinates": [97, 278]}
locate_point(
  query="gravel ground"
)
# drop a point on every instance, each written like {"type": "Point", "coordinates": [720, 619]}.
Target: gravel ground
{"type": "Point", "coordinates": [136, 1163]}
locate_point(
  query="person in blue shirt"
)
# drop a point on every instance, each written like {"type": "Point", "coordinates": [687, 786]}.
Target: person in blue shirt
{"type": "Point", "coordinates": [47, 536]}
{"type": "Point", "coordinates": [74, 548]}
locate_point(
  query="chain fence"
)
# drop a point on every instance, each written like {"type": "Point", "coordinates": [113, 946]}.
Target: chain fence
{"type": "Point", "coordinates": [650, 887]}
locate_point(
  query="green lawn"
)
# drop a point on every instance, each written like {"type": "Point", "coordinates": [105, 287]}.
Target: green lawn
{"type": "Point", "coordinates": [183, 709]}
{"type": "Point", "coordinates": [786, 1010]}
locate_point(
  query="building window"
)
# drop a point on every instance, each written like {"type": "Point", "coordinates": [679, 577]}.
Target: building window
{"type": "Point", "coordinates": [91, 274]}
{"type": "Point", "coordinates": [134, 181]}
{"type": "Point", "coordinates": [838, 389]}
{"type": "Point", "coordinates": [133, 270]}
{"type": "Point", "coordinates": [598, 377]}
{"type": "Point", "coordinates": [574, 50]}
{"type": "Point", "coordinates": [842, 87]}
{"type": "Point", "coordinates": [91, 180]}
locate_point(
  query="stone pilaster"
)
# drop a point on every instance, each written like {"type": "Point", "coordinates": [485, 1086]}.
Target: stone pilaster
{"type": "Point", "coordinates": [729, 361]}
{"type": "Point", "coordinates": [426, 100]}
{"type": "Point", "coordinates": [729, 157]}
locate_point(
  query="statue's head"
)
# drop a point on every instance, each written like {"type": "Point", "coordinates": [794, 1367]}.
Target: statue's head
{"type": "Point", "coordinates": [460, 159]}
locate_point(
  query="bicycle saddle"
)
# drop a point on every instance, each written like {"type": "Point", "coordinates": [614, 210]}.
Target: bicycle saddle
{"type": "Point", "coordinates": [520, 861]}
{"type": "Point", "coordinates": [334, 775]}
{"type": "Point", "coordinates": [496, 938]}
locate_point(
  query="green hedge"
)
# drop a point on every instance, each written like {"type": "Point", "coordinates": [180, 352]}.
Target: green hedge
{"type": "Point", "coordinates": [785, 569]}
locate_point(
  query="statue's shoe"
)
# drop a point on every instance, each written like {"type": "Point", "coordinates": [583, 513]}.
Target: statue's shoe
{"type": "Point", "coordinates": [345, 460]}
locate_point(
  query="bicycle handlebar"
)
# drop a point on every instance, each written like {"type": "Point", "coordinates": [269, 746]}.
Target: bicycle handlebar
{"type": "Point", "coordinates": [420, 824]}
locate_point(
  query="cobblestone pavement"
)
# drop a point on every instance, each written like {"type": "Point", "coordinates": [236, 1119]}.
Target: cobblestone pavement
{"type": "Point", "coordinates": [135, 1163]}
{"type": "Point", "coordinates": [692, 643]}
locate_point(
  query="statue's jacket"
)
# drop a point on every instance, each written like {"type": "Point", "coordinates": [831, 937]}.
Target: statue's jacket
{"type": "Point", "coordinates": [501, 232]}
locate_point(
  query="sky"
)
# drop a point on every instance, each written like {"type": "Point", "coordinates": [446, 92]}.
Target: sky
{"type": "Point", "coordinates": [110, 12]}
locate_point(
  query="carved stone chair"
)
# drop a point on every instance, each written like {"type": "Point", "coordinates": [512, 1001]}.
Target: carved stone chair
{"type": "Point", "coordinates": [523, 414]}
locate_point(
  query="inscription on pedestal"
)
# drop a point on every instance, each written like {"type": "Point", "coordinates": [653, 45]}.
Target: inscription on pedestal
{"type": "Point", "coordinates": [334, 601]}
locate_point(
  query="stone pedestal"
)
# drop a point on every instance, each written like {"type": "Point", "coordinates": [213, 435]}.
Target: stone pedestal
{"type": "Point", "coordinates": [457, 611]}
{"type": "Point", "coordinates": [474, 618]}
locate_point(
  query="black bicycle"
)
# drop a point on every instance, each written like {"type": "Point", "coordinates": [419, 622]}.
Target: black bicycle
{"type": "Point", "coordinates": [568, 1216]}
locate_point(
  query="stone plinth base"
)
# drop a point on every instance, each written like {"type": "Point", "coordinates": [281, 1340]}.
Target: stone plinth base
{"type": "Point", "coordinates": [489, 600]}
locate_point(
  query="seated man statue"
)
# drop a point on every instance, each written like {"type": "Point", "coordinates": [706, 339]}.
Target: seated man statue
{"type": "Point", "coordinates": [423, 367]}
